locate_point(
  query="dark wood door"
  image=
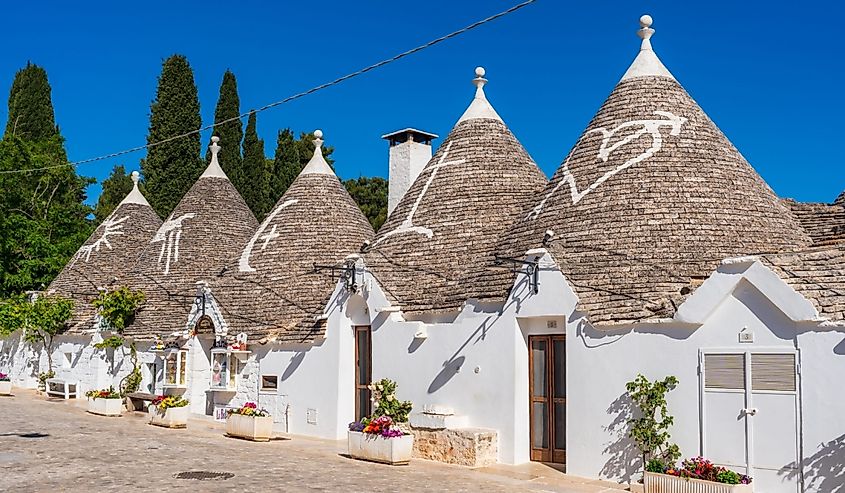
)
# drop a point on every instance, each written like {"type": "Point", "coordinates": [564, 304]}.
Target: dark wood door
{"type": "Point", "coordinates": [547, 387]}
{"type": "Point", "coordinates": [363, 371]}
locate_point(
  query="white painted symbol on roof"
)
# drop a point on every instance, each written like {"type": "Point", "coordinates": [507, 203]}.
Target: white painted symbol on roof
{"type": "Point", "coordinates": [407, 225]}
{"type": "Point", "coordinates": [169, 235]}
{"type": "Point", "coordinates": [111, 227]}
{"type": "Point", "coordinates": [243, 263]}
{"type": "Point", "coordinates": [650, 127]}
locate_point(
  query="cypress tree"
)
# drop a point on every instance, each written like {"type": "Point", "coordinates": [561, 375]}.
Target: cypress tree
{"type": "Point", "coordinates": [231, 134]}
{"type": "Point", "coordinates": [31, 106]}
{"type": "Point", "coordinates": [256, 191]}
{"type": "Point", "coordinates": [115, 188]}
{"type": "Point", "coordinates": [285, 164]}
{"type": "Point", "coordinates": [171, 168]}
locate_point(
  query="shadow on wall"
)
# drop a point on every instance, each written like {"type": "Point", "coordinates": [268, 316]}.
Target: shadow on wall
{"type": "Point", "coordinates": [625, 458]}
{"type": "Point", "coordinates": [294, 363]}
{"type": "Point", "coordinates": [824, 470]}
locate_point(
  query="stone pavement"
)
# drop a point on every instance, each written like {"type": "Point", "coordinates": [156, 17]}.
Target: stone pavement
{"type": "Point", "coordinates": [53, 445]}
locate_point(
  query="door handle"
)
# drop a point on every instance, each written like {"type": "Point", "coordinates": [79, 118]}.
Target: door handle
{"type": "Point", "coordinates": [750, 411]}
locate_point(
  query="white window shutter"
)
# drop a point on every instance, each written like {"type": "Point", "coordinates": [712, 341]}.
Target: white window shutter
{"type": "Point", "coordinates": [724, 371]}
{"type": "Point", "coordinates": [773, 372]}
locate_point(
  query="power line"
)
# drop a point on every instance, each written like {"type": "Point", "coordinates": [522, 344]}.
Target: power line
{"type": "Point", "coordinates": [289, 98]}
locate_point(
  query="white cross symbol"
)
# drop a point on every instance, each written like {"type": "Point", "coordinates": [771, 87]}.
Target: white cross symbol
{"type": "Point", "coordinates": [407, 225]}
{"type": "Point", "coordinates": [272, 235]}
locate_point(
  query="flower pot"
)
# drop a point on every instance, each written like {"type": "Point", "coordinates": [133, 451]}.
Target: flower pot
{"type": "Point", "coordinates": [664, 483]}
{"type": "Point", "coordinates": [254, 428]}
{"type": "Point", "coordinates": [173, 417]}
{"type": "Point", "coordinates": [105, 407]}
{"type": "Point", "coordinates": [5, 388]}
{"type": "Point", "coordinates": [376, 448]}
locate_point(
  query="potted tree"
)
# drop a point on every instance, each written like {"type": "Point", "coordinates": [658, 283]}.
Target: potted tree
{"type": "Point", "coordinates": [249, 422]}
{"type": "Point", "coordinates": [5, 384]}
{"type": "Point", "coordinates": [650, 431]}
{"type": "Point", "coordinates": [383, 437]}
{"type": "Point", "coordinates": [107, 402]}
{"type": "Point", "coordinates": [169, 411]}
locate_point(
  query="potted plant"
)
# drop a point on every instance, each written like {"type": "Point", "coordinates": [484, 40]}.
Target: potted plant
{"type": "Point", "coordinates": [105, 402]}
{"type": "Point", "coordinates": [697, 475]}
{"type": "Point", "coordinates": [250, 423]}
{"type": "Point", "coordinates": [5, 384]}
{"type": "Point", "coordinates": [383, 437]}
{"type": "Point", "coordinates": [169, 411]}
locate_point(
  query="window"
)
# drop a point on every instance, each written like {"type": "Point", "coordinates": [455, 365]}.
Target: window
{"type": "Point", "coordinates": [67, 360]}
{"type": "Point", "coordinates": [225, 368]}
{"type": "Point", "coordinates": [175, 363]}
{"type": "Point", "coordinates": [269, 382]}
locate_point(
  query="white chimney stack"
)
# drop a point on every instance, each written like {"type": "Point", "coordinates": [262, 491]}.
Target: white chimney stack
{"type": "Point", "coordinates": [410, 151]}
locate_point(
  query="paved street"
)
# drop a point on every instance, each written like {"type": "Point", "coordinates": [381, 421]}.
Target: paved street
{"type": "Point", "coordinates": [52, 445]}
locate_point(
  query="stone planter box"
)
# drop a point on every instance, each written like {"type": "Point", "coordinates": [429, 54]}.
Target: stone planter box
{"type": "Point", "coordinates": [257, 429]}
{"type": "Point", "coordinates": [174, 417]}
{"type": "Point", "coordinates": [376, 448]}
{"type": "Point", "coordinates": [105, 407]}
{"type": "Point", "coordinates": [5, 388]}
{"type": "Point", "coordinates": [664, 483]}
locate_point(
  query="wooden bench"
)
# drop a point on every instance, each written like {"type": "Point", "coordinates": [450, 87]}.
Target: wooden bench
{"type": "Point", "coordinates": [138, 401]}
{"type": "Point", "coordinates": [60, 388]}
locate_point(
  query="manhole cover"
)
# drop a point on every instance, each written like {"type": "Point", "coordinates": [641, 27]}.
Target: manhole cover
{"type": "Point", "coordinates": [204, 475]}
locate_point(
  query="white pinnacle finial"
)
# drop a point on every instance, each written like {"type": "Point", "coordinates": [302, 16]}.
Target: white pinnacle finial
{"type": "Point", "coordinates": [479, 80]}
{"type": "Point", "coordinates": [480, 107]}
{"type": "Point", "coordinates": [135, 196]}
{"type": "Point", "coordinates": [214, 170]}
{"type": "Point", "coordinates": [317, 165]}
{"type": "Point", "coordinates": [646, 32]}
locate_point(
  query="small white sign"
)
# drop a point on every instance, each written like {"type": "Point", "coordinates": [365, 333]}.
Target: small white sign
{"type": "Point", "coordinates": [746, 336]}
{"type": "Point", "coordinates": [551, 324]}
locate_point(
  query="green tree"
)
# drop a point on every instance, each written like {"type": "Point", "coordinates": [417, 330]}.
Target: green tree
{"type": "Point", "coordinates": [650, 430]}
{"type": "Point", "coordinates": [231, 134]}
{"type": "Point", "coordinates": [43, 319]}
{"type": "Point", "coordinates": [115, 189]}
{"type": "Point", "coordinates": [43, 217]}
{"type": "Point", "coordinates": [256, 191]}
{"type": "Point", "coordinates": [31, 114]}
{"type": "Point", "coordinates": [371, 195]}
{"type": "Point", "coordinates": [171, 168]}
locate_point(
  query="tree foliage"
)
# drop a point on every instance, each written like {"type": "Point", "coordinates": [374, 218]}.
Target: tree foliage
{"type": "Point", "coordinates": [231, 134]}
{"type": "Point", "coordinates": [118, 307]}
{"type": "Point", "coordinates": [650, 430]}
{"type": "Point", "coordinates": [171, 168]}
{"type": "Point", "coordinates": [31, 114]}
{"type": "Point", "coordinates": [115, 188]}
{"type": "Point", "coordinates": [256, 191]}
{"type": "Point", "coordinates": [371, 195]}
{"type": "Point", "coordinates": [43, 217]}
{"type": "Point", "coordinates": [41, 320]}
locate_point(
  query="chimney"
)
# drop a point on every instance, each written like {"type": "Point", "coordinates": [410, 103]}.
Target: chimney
{"type": "Point", "coordinates": [410, 151]}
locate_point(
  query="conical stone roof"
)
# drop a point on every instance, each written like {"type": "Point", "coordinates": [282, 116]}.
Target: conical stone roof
{"type": "Point", "coordinates": [840, 200]}
{"type": "Point", "coordinates": [274, 287]}
{"type": "Point", "coordinates": [649, 199]}
{"type": "Point", "coordinates": [207, 229]}
{"type": "Point", "coordinates": [106, 259]}
{"type": "Point", "coordinates": [436, 249]}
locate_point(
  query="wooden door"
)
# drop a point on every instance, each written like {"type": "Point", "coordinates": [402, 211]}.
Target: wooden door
{"type": "Point", "coordinates": [547, 388]}
{"type": "Point", "coordinates": [363, 371]}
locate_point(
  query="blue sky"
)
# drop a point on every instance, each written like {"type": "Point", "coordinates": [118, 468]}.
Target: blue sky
{"type": "Point", "coordinates": [771, 75]}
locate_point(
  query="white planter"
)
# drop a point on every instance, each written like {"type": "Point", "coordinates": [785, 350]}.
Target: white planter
{"type": "Point", "coordinates": [174, 417]}
{"type": "Point", "coordinates": [105, 407]}
{"type": "Point", "coordinates": [376, 448]}
{"type": "Point", "coordinates": [664, 483]}
{"type": "Point", "coordinates": [258, 429]}
{"type": "Point", "coordinates": [5, 388]}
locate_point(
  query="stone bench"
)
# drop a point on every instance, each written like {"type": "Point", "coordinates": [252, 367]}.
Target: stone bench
{"type": "Point", "coordinates": [60, 388]}
{"type": "Point", "coordinates": [138, 401]}
{"type": "Point", "coordinates": [442, 436]}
